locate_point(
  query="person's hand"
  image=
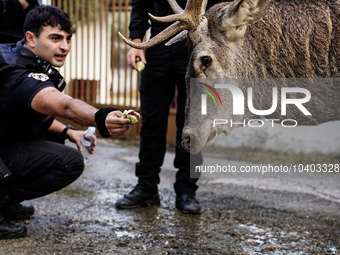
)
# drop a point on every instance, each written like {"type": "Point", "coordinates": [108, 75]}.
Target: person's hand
{"type": "Point", "coordinates": [75, 137]}
{"type": "Point", "coordinates": [115, 124]}
{"type": "Point", "coordinates": [133, 53]}
{"type": "Point", "coordinates": [24, 4]}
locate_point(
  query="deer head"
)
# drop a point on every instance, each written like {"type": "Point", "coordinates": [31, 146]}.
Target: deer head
{"type": "Point", "coordinates": [225, 22]}
{"type": "Point", "coordinates": [213, 40]}
{"type": "Point", "coordinates": [295, 39]}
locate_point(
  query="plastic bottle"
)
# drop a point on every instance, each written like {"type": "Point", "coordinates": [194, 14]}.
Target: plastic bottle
{"type": "Point", "coordinates": [87, 141]}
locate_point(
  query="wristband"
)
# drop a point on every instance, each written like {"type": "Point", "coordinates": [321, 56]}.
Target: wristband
{"type": "Point", "coordinates": [63, 134]}
{"type": "Point", "coordinates": [100, 117]}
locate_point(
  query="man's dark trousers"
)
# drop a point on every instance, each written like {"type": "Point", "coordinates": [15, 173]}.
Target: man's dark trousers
{"type": "Point", "coordinates": [165, 71]}
{"type": "Point", "coordinates": [39, 167]}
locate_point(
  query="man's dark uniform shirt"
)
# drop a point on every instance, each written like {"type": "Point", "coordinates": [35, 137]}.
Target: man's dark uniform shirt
{"type": "Point", "coordinates": [18, 86]}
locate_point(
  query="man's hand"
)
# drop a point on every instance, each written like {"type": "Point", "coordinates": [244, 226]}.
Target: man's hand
{"type": "Point", "coordinates": [115, 124]}
{"type": "Point", "coordinates": [133, 53]}
{"type": "Point", "coordinates": [75, 136]}
{"type": "Point", "coordinates": [24, 4]}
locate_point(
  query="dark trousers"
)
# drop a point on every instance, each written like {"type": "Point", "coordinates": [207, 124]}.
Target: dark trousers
{"type": "Point", "coordinates": [39, 167]}
{"type": "Point", "coordinates": [165, 71]}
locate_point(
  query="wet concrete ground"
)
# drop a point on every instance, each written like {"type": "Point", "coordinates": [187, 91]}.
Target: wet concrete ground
{"type": "Point", "coordinates": [275, 215]}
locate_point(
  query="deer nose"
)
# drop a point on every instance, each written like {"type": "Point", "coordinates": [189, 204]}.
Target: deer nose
{"type": "Point", "coordinates": [206, 61]}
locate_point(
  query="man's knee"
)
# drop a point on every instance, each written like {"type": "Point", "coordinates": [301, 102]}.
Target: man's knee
{"type": "Point", "coordinates": [74, 165]}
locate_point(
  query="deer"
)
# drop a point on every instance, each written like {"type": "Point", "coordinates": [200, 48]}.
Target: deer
{"type": "Point", "coordinates": [247, 40]}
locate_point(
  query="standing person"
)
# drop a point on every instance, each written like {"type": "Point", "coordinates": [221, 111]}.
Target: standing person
{"type": "Point", "coordinates": [30, 96]}
{"type": "Point", "coordinates": [164, 72]}
{"type": "Point", "coordinates": [12, 18]}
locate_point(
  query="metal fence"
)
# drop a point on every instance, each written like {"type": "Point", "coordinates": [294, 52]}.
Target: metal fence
{"type": "Point", "coordinates": [96, 69]}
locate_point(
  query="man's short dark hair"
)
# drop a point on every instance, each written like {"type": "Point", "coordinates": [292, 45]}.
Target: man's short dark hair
{"type": "Point", "coordinates": [46, 15]}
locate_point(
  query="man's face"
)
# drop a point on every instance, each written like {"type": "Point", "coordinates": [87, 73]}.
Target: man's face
{"type": "Point", "coordinates": [52, 45]}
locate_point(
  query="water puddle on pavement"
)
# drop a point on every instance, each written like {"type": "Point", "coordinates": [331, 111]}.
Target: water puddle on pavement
{"type": "Point", "coordinates": [124, 234]}
{"type": "Point", "coordinates": [215, 230]}
{"type": "Point", "coordinates": [259, 240]}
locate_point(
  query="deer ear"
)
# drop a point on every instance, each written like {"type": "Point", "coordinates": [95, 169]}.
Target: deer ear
{"type": "Point", "coordinates": [241, 13]}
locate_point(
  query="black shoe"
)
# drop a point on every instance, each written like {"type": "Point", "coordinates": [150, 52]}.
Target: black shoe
{"type": "Point", "coordinates": [136, 198]}
{"type": "Point", "coordinates": [9, 230]}
{"type": "Point", "coordinates": [20, 212]}
{"type": "Point", "coordinates": [12, 209]}
{"type": "Point", "coordinates": [188, 203]}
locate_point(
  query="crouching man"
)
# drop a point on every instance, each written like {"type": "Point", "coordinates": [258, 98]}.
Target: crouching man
{"type": "Point", "coordinates": [30, 98]}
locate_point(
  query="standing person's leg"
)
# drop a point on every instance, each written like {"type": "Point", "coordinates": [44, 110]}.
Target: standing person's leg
{"type": "Point", "coordinates": [185, 186]}
{"type": "Point", "coordinates": [156, 90]}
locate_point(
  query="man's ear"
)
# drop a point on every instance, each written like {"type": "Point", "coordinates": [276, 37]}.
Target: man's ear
{"type": "Point", "coordinates": [30, 39]}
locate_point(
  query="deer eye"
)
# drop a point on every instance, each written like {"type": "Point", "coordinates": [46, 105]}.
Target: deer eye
{"type": "Point", "coordinates": [206, 61]}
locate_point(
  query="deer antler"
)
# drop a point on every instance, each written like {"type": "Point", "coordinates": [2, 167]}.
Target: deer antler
{"type": "Point", "coordinates": [175, 7]}
{"type": "Point", "coordinates": [184, 20]}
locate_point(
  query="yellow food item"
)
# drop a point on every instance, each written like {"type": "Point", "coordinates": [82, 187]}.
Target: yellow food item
{"type": "Point", "coordinates": [132, 115]}
{"type": "Point", "coordinates": [140, 66]}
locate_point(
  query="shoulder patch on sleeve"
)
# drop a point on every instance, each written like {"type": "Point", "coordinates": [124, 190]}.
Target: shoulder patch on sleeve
{"type": "Point", "coordinates": [39, 76]}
